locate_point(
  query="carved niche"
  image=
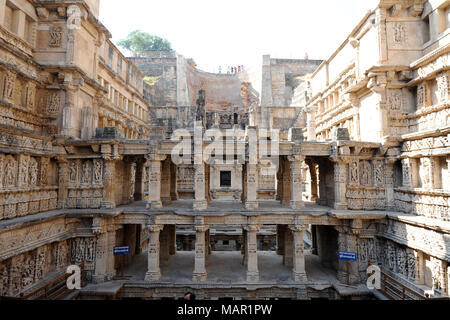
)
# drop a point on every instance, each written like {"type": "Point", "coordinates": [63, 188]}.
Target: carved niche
{"type": "Point", "coordinates": [378, 172]}
{"type": "Point", "coordinates": [98, 170]}
{"type": "Point", "coordinates": [55, 36]}
{"type": "Point", "coordinates": [395, 99]}
{"type": "Point", "coordinates": [86, 173]}
{"type": "Point", "coordinates": [442, 82]}
{"type": "Point", "coordinates": [62, 255]}
{"type": "Point", "coordinates": [33, 172]}
{"type": "Point", "coordinates": [10, 172]}
{"type": "Point", "coordinates": [9, 86]}
{"type": "Point", "coordinates": [365, 173]}
{"type": "Point", "coordinates": [421, 96]}
{"type": "Point", "coordinates": [53, 102]}
{"type": "Point", "coordinates": [354, 172]}
{"type": "Point", "coordinates": [399, 33]}
{"type": "Point", "coordinates": [73, 172]}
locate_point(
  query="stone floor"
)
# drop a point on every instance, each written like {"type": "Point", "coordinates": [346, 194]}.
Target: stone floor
{"type": "Point", "coordinates": [227, 268]}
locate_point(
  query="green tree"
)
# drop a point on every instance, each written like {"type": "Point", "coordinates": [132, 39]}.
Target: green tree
{"type": "Point", "coordinates": [138, 42]}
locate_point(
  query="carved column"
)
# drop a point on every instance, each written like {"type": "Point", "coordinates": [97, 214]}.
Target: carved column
{"type": "Point", "coordinates": [200, 253]}
{"type": "Point", "coordinates": [153, 268]}
{"type": "Point", "coordinates": [154, 183]}
{"type": "Point", "coordinates": [389, 184]}
{"type": "Point", "coordinates": [173, 182]}
{"type": "Point", "coordinates": [109, 184]}
{"type": "Point", "coordinates": [286, 182]}
{"type": "Point", "coordinates": [296, 182]}
{"type": "Point", "coordinates": [251, 202]}
{"type": "Point", "coordinates": [311, 123]}
{"type": "Point", "coordinates": [406, 173]}
{"type": "Point", "coordinates": [63, 180]}
{"type": "Point", "coordinates": [67, 125]}
{"type": "Point", "coordinates": [340, 185]}
{"type": "Point", "coordinates": [251, 191]}
{"type": "Point", "coordinates": [104, 256]}
{"type": "Point", "coordinates": [448, 174]}
{"type": "Point", "coordinates": [165, 183]}
{"type": "Point", "coordinates": [164, 245]}
{"type": "Point", "coordinates": [347, 241]}
{"type": "Point", "coordinates": [252, 254]}
{"type": "Point", "coordinates": [299, 271]}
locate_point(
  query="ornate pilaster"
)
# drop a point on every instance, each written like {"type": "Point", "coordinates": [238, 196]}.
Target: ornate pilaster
{"type": "Point", "coordinates": [296, 181]}
{"type": "Point", "coordinates": [252, 254]}
{"type": "Point", "coordinates": [347, 242]}
{"type": "Point", "coordinates": [154, 167]}
{"type": "Point", "coordinates": [340, 185]}
{"type": "Point", "coordinates": [389, 183]}
{"type": "Point", "coordinates": [299, 271]}
{"type": "Point", "coordinates": [104, 261]}
{"type": "Point", "coordinates": [110, 156]}
{"type": "Point", "coordinates": [63, 180]}
{"type": "Point", "coordinates": [200, 202]}
{"type": "Point", "coordinates": [153, 268]}
{"type": "Point", "coordinates": [200, 274]}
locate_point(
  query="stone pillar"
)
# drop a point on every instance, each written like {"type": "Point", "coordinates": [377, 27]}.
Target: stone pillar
{"type": "Point", "coordinates": [299, 271]}
{"type": "Point", "coordinates": [251, 201]}
{"type": "Point", "coordinates": [448, 174]}
{"type": "Point", "coordinates": [153, 268]}
{"type": "Point", "coordinates": [199, 167]}
{"type": "Point", "coordinates": [286, 183]}
{"type": "Point", "coordinates": [104, 257]}
{"type": "Point", "coordinates": [420, 267]}
{"type": "Point", "coordinates": [314, 186]}
{"type": "Point", "coordinates": [244, 247]}
{"type": "Point", "coordinates": [311, 123]}
{"type": "Point", "coordinates": [406, 172]}
{"type": "Point", "coordinates": [252, 254]}
{"type": "Point", "coordinates": [280, 239]}
{"type": "Point", "coordinates": [173, 182]}
{"type": "Point", "coordinates": [296, 182]}
{"type": "Point", "coordinates": [340, 185]}
{"type": "Point", "coordinates": [109, 197]}
{"type": "Point", "coordinates": [288, 248]}
{"type": "Point", "coordinates": [200, 254]}
{"type": "Point", "coordinates": [154, 183]}
{"type": "Point", "coordinates": [347, 241]}
{"type": "Point", "coordinates": [389, 184]}
{"type": "Point", "coordinates": [63, 180]}
{"type": "Point", "coordinates": [165, 183]}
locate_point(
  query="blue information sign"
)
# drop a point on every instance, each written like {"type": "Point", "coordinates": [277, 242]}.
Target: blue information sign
{"type": "Point", "coordinates": [121, 250]}
{"type": "Point", "coordinates": [347, 256]}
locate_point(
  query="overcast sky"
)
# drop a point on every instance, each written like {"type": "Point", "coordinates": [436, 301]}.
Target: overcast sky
{"type": "Point", "coordinates": [238, 32]}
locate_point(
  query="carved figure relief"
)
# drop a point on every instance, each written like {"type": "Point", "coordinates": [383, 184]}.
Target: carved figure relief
{"type": "Point", "coordinates": [442, 82]}
{"type": "Point", "coordinates": [33, 172]}
{"type": "Point", "coordinates": [55, 39]}
{"type": "Point", "coordinates": [62, 252]}
{"type": "Point", "coordinates": [98, 167]}
{"type": "Point", "coordinates": [28, 270]}
{"type": "Point", "coordinates": [366, 173]}
{"type": "Point", "coordinates": [399, 33]}
{"type": "Point", "coordinates": [40, 263]}
{"type": "Point", "coordinates": [87, 172]}
{"type": "Point", "coordinates": [53, 102]}
{"type": "Point", "coordinates": [395, 100]}
{"type": "Point", "coordinates": [8, 91]}
{"type": "Point", "coordinates": [31, 92]}
{"type": "Point", "coordinates": [73, 171]}
{"type": "Point", "coordinates": [354, 173]}
{"type": "Point", "coordinates": [132, 179]}
{"type": "Point", "coordinates": [10, 172]}
{"type": "Point", "coordinates": [44, 171]}
{"type": "Point", "coordinates": [23, 171]}
{"type": "Point", "coordinates": [426, 172]}
{"type": "Point", "coordinates": [421, 91]}
{"type": "Point", "coordinates": [379, 172]}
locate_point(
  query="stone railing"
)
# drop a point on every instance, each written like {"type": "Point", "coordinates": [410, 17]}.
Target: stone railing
{"type": "Point", "coordinates": [427, 203]}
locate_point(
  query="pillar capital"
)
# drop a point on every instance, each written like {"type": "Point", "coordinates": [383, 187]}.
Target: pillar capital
{"type": "Point", "coordinates": [298, 227]}
{"type": "Point", "coordinates": [252, 227]}
{"type": "Point", "coordinates": [155, 227]}
{"type": "Point", "coordinates": [201, 228]}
